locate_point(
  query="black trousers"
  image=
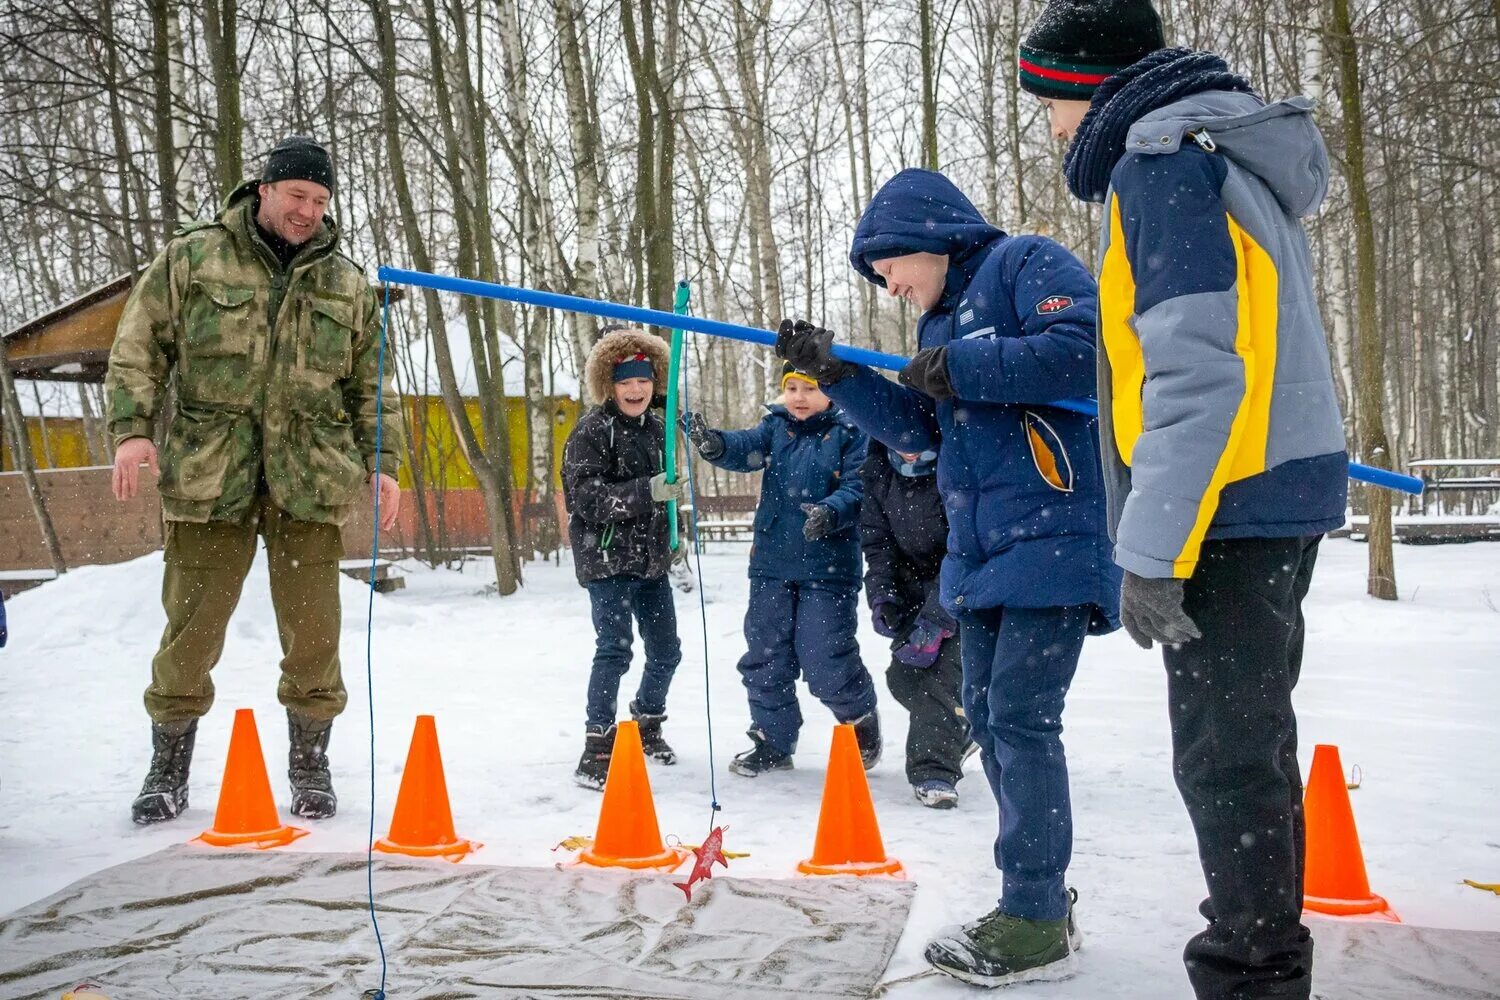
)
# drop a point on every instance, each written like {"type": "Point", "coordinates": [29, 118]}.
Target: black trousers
{"type": "Point", "coordinates": [939, 731]}
{"type": "Point", "coordinates": [1234, 745]}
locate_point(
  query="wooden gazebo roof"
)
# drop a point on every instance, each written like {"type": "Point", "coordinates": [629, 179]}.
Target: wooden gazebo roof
{"type": "Point", "coordinates": [71, 343]}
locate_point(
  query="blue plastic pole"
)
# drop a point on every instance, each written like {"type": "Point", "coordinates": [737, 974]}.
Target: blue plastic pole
{"type": "Point", "coordinates": [734, 331]}
{"type": "Point", "coordinates": [623, 313]}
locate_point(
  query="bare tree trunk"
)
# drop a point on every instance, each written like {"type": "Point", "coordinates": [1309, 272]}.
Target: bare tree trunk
{"type": "Point", "coordinates": [859, 196]}
{"type": "Point", "coordinates": [1374, 447]}
{"type": "Point", "coordinates": [757, 153]}
{"type": "Point", "coordinates": [118, 132]}
{"type": "Point", "coordinates": [583, 127]}
{"type": "Point", "coordinates": [161, 115]}
{"type": "Point", "coordinates": [41, 423]}
{"type": "Point", "coordinates": [20, 448]}
{"type": "Point", "coordinates": [651, 69]}
{"type": "Point", "coordinates": [221, 33]}
{"type": "Point", "coordinates": [929, 86]}
{"type": "Point", "coordinates": [1013, 123]}
{"type": "Point", "coordinates": [488, 475]}
{"type": "Point", "coordinates": [93, 428]}
{"type": "Point", "coordinates": [181, 141]}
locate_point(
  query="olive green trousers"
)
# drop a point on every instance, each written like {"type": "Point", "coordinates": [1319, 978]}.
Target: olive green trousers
{"type": "Point", "coordinates": [206, 565]}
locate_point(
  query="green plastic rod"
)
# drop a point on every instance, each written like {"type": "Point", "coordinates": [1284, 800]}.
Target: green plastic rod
{"type": "Point", "coordinates": [680, 307]}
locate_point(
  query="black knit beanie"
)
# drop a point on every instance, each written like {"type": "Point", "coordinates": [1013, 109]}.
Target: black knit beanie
{"type": "Point", "coordinates": [298, 158]}
{"type": "Point", "coordinates": [1078, 44]}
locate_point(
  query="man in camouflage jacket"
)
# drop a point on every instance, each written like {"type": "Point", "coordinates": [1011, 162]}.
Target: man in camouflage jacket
{"type": "Point", "coordinates": [271, 338]}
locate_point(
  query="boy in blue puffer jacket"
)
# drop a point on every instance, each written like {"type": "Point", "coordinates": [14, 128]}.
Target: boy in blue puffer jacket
{"type": "Point", "coordinates": [1007, 327]}
{"type": "Point", "coordinates": [804, 570]}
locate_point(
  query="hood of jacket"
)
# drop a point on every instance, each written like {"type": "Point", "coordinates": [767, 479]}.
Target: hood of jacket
{"type": "Point", "coordinates": [1278, 142]}
{"type": "Point", "coordinates": [918, 211]}
{"type": "Point", "coordinates": [613, 348]}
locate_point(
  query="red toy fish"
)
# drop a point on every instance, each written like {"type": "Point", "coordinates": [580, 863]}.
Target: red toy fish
{"type": "Point", "coordinates": [705, 856]}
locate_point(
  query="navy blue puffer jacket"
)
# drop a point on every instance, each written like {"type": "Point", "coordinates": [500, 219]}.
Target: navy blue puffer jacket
{"type": "Point", "coordinates": [1020, 479]}
{"type": "Point", "coordinates": [815, 460]}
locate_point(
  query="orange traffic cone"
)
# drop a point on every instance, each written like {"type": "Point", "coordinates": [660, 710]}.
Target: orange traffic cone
{"type": "Point", "coordinates": [247, 814]}
{"type": "Point", "coordinates": [422, 825]}
{"type": "Point", "coordinates": [848, 835]}
{"type": "Point", "coordinates": [1335, 879]}
{"type": "Point", "coordinates": [628, 836]}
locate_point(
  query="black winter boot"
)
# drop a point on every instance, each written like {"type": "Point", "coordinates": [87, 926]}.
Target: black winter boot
{"type": "Point", "coordinates": [164, 795]}
{"type": "Point", "coordinates": [593, 766]}
{"type": "Point", "coordinates": [760, 758]}
{"type": "Point", "coordinates": [867, 734]}
{"type": "Point", "coordinates": [652, 742]}
{"type": "Point", "coordinates": [307, 767]}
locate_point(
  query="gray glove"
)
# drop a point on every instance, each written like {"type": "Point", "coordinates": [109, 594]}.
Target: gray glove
{"type": "Point", "coordinates": [1151, 609]}
{"type": "Point", "coordinates": [819, 521]}
{"type": "Point", "coordinates": [665, 492]}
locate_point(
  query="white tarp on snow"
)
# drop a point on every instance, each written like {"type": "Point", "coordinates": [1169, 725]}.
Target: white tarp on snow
{"type": "Point", "coordinates": [196, 922]}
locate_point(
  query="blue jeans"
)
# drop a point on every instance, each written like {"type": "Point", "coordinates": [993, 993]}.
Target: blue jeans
{"type": "Point", "coordinates": [1018, 664]}
{"type": "Point", "coordinates": [794, 628]}
{"type": "Point", "coordinates": [616, 600]}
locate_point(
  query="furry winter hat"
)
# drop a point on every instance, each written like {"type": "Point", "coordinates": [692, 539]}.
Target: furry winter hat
{"type": "Point", "coordinates": [612, 348]}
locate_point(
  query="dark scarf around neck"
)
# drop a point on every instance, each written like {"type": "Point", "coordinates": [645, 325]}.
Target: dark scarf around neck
{"type": "Point", "coordinates": [1162, 77]}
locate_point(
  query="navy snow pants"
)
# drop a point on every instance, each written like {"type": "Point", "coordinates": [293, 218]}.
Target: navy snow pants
{"type": "Point", "coordinates": [616, 600]}
{"type": "Point", "coordinates": [1018, 664]}
{"type": "Point", "coordinates": [804, 628]}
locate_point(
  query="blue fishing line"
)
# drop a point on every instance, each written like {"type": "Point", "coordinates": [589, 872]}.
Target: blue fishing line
{"type": "Point", "coordinates": [708, 705]}
{"type": "Point", "coordinates": [385, 319]}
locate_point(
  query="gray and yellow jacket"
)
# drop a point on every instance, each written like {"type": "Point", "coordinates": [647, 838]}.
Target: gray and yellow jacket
{"type": "Point", "coordinates": [276, 372]}
{"type": "Point", "coordinates": [1217, 405]}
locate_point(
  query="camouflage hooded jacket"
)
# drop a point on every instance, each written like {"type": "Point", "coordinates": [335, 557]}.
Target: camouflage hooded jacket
{"type": "Point", "coordinates": [276, 372]}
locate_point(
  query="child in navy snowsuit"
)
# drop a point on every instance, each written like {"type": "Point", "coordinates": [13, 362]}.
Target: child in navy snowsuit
{"type": "Point", "coordinates": [804, 571]}
{"type": "Point", "coordinates": [617, 494]}
{"type": "Point", "coordinates": [1007, 327]}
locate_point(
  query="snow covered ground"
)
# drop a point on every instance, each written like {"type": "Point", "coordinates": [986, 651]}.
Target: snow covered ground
{"type": "Point", "coordinates": [1407, 690]}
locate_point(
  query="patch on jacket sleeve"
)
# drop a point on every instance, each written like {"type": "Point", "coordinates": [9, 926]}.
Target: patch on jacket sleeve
{"type": "Point", "coordinates": [1053, 304]}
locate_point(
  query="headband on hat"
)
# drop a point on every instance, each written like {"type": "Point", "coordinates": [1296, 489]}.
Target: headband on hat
{"type": "Point", "coordinates": [790, 373]}
{"type": "Point", "coordinates": [634, 366]}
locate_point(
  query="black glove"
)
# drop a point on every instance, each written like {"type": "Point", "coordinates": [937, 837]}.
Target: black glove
{"type": "Point", "coordinates": [886, 615]}
{"type": "Point", "coordinates": [810, 350]}
{"type": "Point", "coordinates": [927, 372]}
{"type": "Point", "coordinates": [709, 442]}
{"type": "Point", "coordinates": [819, 521]}
{"type": "Point", "coordinates": [1151, 608]}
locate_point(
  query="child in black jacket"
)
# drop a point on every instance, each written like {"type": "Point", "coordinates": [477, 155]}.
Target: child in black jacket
{"type": "Point", "coordinates": [616, 493]}
{"type": "Point", "coordinates": [904, 535]}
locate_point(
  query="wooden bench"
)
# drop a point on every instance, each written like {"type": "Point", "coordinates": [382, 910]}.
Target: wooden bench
{"type": "Point", "coordinates": [1433, 530]}
{"type": "Point", "coordinates": [387, 576]}
{"type": "Point", "coordinates": [14, 581]}
{"type": "Point", "coordinates": [729, 518]}
{"type": "Point", "coordinates": [1475, 479]}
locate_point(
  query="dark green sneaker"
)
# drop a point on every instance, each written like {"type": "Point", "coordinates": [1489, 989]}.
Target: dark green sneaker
{"type": "Point", "coordinates": [999, 949]}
